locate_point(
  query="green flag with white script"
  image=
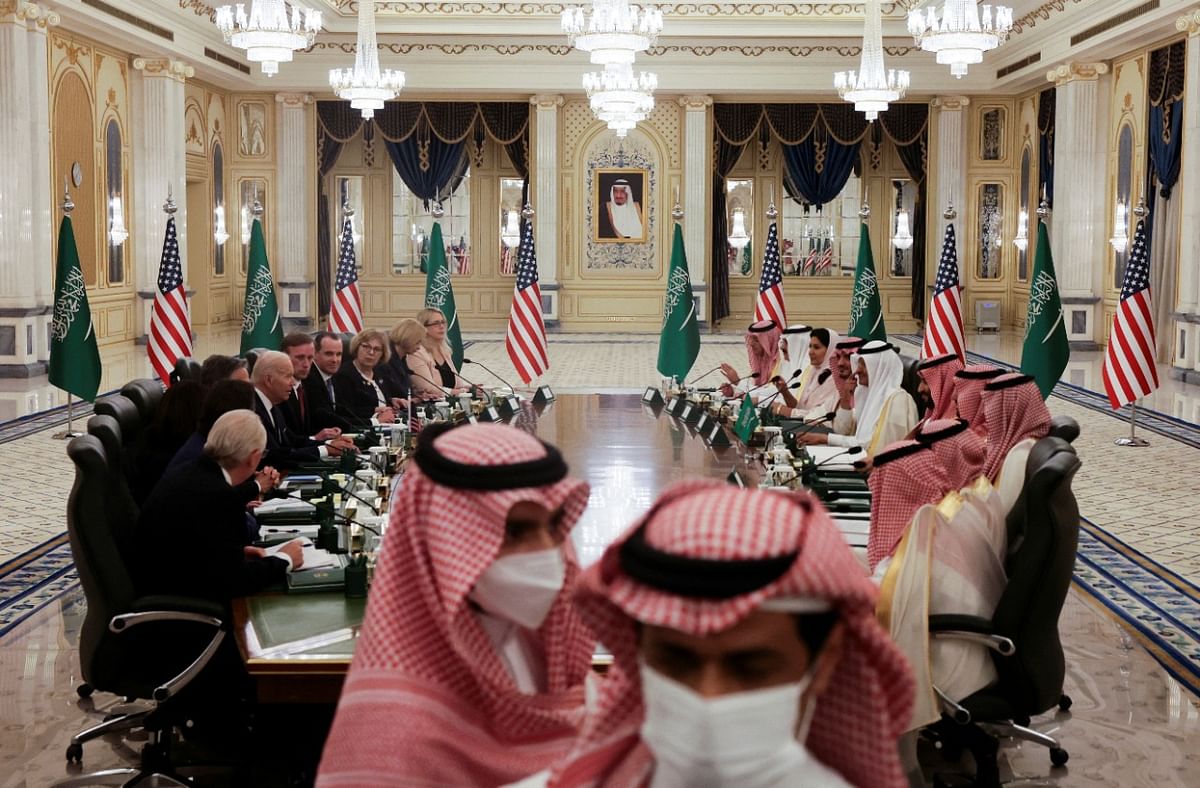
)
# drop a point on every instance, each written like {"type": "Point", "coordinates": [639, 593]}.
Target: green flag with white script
{"type": "Point", "coordinates": [74, 354]}
{"type": "Point", "coordinates": [260, 313]}
{"type": "Point", "coordinates": [747, 420]}
{"type": "Point", "coordinates": [679, 343]}
{"type": "Point", "coordinates": [439, 293]}
{"type": "Point", "coordinates": [1046, 350]}
{"type": "Point", "coordinates": [866, 313]}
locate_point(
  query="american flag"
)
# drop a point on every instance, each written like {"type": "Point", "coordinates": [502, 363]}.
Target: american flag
{"type": "Point", "coordinates": [814, 255]}
{"type": "Point", "coordinates": [526, 340]}
{"type": "Point", "coordinates": [170, 327]}
{"type": "Point", "coordinates": [346, 315]}
{"type": "Point", "coordinates": [769, 304]}
{"type": "Point", "coordinates": [944, 331]}
{"type": "Point", "coordinates": [825, 261]}
{"type": "Point", "coordinates": [1129, 372]}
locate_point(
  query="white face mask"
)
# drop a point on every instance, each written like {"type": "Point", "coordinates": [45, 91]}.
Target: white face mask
{"type": "Point", "coordinates": [746, 739]}
{"type": "Point", "coordinates": [522, 587]}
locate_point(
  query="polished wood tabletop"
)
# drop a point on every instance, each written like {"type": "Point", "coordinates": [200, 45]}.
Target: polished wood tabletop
{"type": "Point", "coordinates": [298, 647]}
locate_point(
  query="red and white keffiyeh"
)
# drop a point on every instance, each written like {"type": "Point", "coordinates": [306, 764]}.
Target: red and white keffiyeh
{"type": "Point", "coordinates": [968, 388]}
{"type": "Point", "coordinates": [869, 699]}
{"type": "Point", "coordinates": [904, 477]}
{"type": "Point", "coordinates": [1014, 411]}
{"type": "Point", "coordinates": [938, 374]}
{"type": "Point", "coordinates": [427, 700]}
{"type": "Point", "coordinates": [960, 449]}
{"type": "Point", "coordinates": [762, 347]}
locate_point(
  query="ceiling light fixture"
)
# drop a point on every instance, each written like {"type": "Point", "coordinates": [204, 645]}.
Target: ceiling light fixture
{"type": "Point", "coordinates": [619, 97]}
{"type": "Point", "coordinates": [614, 32]}
{"type": "Point", "coordinates": [365, 86]}
{"type": "Point", "coordinates": [961, 36]}
{"type": "Point", "coordinates": [872, 87]}
{"type": "Point", "coordinates": [267, 34]}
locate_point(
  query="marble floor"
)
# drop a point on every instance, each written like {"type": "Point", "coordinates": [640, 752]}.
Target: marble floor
{"type": "Point", "coordinates": [1132, 723]}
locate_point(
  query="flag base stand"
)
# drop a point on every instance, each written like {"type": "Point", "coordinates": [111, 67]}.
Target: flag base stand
{"type": "Point", "coordinates": [1133, 440]}
{"type": "Point", "coordinates": [69, 432]}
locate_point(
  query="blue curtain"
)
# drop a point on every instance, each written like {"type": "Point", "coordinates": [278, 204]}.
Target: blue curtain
{"type": "Point", "coordinates": [1166, 145]}
{"type": "Point", "coordinates": [1046, 118]}
{"type": "Point", "coordinates": [817, 168]}
{"type": "Point", "coordinates": [430, 168]}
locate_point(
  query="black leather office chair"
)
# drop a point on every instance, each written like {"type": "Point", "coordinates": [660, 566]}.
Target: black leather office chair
{"type": "Point", "coordinates": [146, 394]}
{"type": "Point", "coordinates": [122, 635]}
{"type": "Point", "coordinates": [1023, 632]}
{"type": "Point", "coordinates": [1064, 427]}
{"type": "Point", "coordinates": [251, 357]}
{"type": "Point", "coordinates": [120, 509]}
{"type": "Point", "coordinates": [911, 380]}
{"type": "Point", "coordinates": [126, 414]}
{"type": "Point", "coordinates": [186, 368]}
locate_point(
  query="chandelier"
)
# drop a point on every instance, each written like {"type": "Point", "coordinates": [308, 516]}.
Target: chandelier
{"type": "Point", "coordinates": [267, 34]}
{"type": "Point", "coordinates": [903, 239]}
{"type": "Point", "coordinates": [963, 34]}
{"type": "Point", "coordinates": [365, 86]}
{"type": "Point", "coordinates": [871, 87]}
{"type": "Point", "coordinates": [738, 237]}
{"type": "Point", "coordinates": [614, 32]}
{"type": "Point", "coordinates": [619, 97]}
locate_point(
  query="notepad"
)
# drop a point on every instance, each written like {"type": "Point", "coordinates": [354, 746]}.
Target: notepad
{"type": "Point", "coordinates": [313, 557]}
{"type": "Point", "coordinates": [284, 506]}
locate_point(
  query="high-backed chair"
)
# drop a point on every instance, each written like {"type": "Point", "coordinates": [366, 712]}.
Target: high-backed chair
{"type": "Point", "coordinates": [911, 380]}
{"type": "Point", "coordinates": [121, 640]}
{"type": "Point", "coordinates": [186, 368]}
{"type": "Point", "coordinates": [146, 394]}
{"type": "Point", "coordinates": [1064, 427]}
{"type": "Point", "coordinates": [119, 505]}
{"type": "Point", "coordinates": [1023, 631]}
{"type": "Point", "coordinates": [251, 357]}
{"type": "Point", "coordinates": [126, 414]}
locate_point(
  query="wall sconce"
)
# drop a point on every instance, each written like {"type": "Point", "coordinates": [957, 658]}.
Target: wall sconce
{"type": "Point", "coordinates": [1120, 239]}
{"type": "Point", "coordinates": [116, 222]}
{"type": "Point", "coordinates": [738, 237]}
{"type": "Point", "coordinates": [1021, 241]}
{"type": "Point", "coordinates": [903, 238]}
{"type": "Point", "coordinates": [219, 234]}
{"type": "Point", "coordinates": [510, 235]}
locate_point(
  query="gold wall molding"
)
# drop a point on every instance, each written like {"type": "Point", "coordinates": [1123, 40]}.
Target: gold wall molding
{"type": "Point", "coordinates": [164, 67]}
{"type": "Point", "coordinates": [1189, 23]}
{"type": "Point", "coordinates": [347, 46]}
{"type": "Point", "coordinates": [828, 8]}
{"type": "Point", "coordinates": [546, 100]}
{"type": "Point", "coordinates": [1071, 72]}
{"type": "Point", "coordinates": [1042, 13]}
{"type": "Point", "coordinates": [293, 99]}
{"type": "Point", "coordinates": [951, 103]}
{"type": "Point", "coordinates": [695, 102]}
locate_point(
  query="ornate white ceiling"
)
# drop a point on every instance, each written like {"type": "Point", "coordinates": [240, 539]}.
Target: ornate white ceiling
{"type": "Point", "coordinates": [781, 50]}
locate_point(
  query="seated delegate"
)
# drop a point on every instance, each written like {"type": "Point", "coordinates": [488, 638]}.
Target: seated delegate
{"type": "Point", "coordinates": [362, 388]}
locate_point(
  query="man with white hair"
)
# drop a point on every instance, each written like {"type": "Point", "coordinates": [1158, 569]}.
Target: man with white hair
{"type": "Point", "coordinates": [273, 378]}
{"type": "Point", "coordinates": [191, 535]}
{"type": "Point", "coordinates": [622, 217]}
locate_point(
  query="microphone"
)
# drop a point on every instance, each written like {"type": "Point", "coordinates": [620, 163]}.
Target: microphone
{"type": "Point", "coordinates": [805, 427]}
{"type": "Point", "coordinates": [352, 417]}
{"type": "Point", "coordinates": [334, 484]}
{"type": "Point", "coordinates": [851, 450]}
{"type": "Point", "coordinates": [493, 374]}
{"type": "Point", "coordinates": [824, 376]}
{"type": "Point", "coordinates": [706, 374]}
{"type": "Point", "coordinates": [437, 386]}
{"type": "Point", "coordinates": [767, 401]}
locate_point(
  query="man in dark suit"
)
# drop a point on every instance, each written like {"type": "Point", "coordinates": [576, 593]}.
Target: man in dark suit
{"type": "Point", "coordinates": [191, 535]}
{"type": "Point", "coordinates": [303, 416]}
{"type": "Point", "coordinates": [273, 380]}
{"type": "Point", "coordinates": [318, 385]}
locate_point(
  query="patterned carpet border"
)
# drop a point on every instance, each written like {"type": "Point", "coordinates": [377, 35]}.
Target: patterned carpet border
{"type": "Point", "coordinates": [22, 427]}
{"type": "Point", "coordinates": [33, 580]}
{"type": "Point", "coordinates": [1152, 420]}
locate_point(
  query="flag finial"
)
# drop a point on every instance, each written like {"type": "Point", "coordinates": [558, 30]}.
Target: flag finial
{"type": "Point", "coordinates": [527, 212]}
{"type": "Point", "coordinates": [1141, 211]}
{"type": "Point", "coordinates": [347, 209]}
{"type": "Point", "coordinates": [257, 208]}
{"type": "Point", "coordinates": [68, 204]}
{"type": "Point", "coordinates": [677, 212]}
{"type": "Point", "coordinates": [1043, 208]}
{"type": "Point", "coordinates": [864, 212]}
{"type": "Point", "coordinates": [772, 211]}
{"type": "Point", "coordinates": [950, 214]}
{"type": "Point", "coordinates": [437, 211]}
{"type": "Point", "coordinates": [169, 207]}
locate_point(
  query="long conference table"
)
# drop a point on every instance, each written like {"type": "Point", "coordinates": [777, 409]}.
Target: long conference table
{"type": "Point", "coordinates": [298, 647]}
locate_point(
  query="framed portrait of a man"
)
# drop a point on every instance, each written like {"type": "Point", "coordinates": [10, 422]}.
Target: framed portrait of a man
{"type": "Point", "coordinates": [619, 205]}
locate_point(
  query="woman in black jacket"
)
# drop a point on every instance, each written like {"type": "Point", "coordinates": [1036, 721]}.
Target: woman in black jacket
{"type": "Point", "coordinates": [362, 387]}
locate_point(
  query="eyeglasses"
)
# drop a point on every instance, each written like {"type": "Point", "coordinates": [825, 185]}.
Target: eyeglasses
{"type": "Point", "coordinates": [373, 348]}
{"type": "Point", "coordinates": [435, 323]}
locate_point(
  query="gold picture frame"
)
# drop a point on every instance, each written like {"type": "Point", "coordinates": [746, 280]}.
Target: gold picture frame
{"type": "Point", "coordinates": [618, 229]}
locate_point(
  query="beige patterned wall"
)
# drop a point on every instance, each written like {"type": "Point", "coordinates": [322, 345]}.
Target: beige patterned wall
{"type": "Point", "coordinates": [216, 298]}
{"type": "Point", "coordinates": [89, 87]}
{"type": "Point", "coordinates": [997, 166]}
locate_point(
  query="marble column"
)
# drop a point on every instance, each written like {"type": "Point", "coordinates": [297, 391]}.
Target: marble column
{"type": "Point", "coordinates": [544, 169]}
{"type": "Point", "coordinates": [949, 173]}
{"type": "Point", "coordinates": [1080, 221]}
{"type": "Point", "coordinates": [292, 219]}
{"type": "Point", "coordinates": [697, 183]}
{"type": "Point", "coordinates": [26, 202]}
{"type": "Point", "coordinates": [159, 168]}
{"type": "Point", "coordinates": [1183, 334]}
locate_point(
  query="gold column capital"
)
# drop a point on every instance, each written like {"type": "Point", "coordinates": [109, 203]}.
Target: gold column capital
{"type": "Point", "coordinates": [164, 67]}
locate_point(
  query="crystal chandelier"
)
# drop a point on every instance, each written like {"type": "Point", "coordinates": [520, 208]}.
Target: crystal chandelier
{"type": "Point", "coordinates": [614, 32]}
{"type": "Point", "coordinates": [1120, 238]}
{"type": "Point", "coordinates": [267, 34]}
{"type": "Point", "coordinates": [619, 97]}
{"type": "Point", "coordinates": [510, 235]}
{"type": "Point", "coordinates": [871, 88]}
{"type": "Point", "coordinates": [117, 234]}
{"type": "Point", "coordinates": [963, 34]}
{"type": "Point", "coordinates": [903, 239]}
{"type": "Point", "coordinates": [365, 86]}
{"type": "Point", "coordinates": [1021, 240]}
{"type": "Point", "coordinates": [738, 237]}
{"type": "Point", "coordinates": [220, 235]}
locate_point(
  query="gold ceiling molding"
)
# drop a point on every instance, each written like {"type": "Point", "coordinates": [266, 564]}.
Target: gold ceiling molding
{"type": "Point", "coordinates": [199, 8]}
{"type": "Point", "coordinates": [562, 50]}
{"type": "Point", "coordinates": [1042, 13]}
{"type": "Point", "coordinates": [818, 9]}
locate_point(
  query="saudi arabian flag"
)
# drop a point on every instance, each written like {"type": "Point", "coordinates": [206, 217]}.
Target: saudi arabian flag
{"type": "Point", "coordinates": [439, 293]}
{"type": "Point", "coordinates": [866, 313]}
{"type": "Point", "coordinates": [747, 420]}
{"type": "Point", "coordinates": [679, 343]}
{"type": "Point", "coordinates": [74, 354]}
{"type": "Point", "coordinates": [1046, 350]}
{"type": "Point", "coordinates": [260, 314]}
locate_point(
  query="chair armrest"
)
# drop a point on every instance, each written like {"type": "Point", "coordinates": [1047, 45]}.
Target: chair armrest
{"type": "Point", "coordinates": [182, 604]}
{"type": "Point", "coordinates": [200, 613]}
{"type": "Point", "coordinates": [970, 628]}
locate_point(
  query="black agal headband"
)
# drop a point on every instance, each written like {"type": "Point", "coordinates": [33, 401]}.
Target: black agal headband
{"type": "Point", "coordinates": [462, 476]}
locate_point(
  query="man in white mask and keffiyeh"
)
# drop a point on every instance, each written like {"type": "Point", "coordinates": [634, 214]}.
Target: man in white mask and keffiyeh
{"type": "Point", "coordinates": [624, 215]}
{"type": "Point", "coordinates": [743, 657]}
{"type": "Point", "coordinates": [471, 664]}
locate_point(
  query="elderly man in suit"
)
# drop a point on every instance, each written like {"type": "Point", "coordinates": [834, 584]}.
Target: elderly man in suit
{"type": "Point", "coordinates": [273, 378]}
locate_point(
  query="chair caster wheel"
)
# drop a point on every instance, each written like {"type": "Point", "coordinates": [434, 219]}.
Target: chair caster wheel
{"type": "Point", "coordinates": [74, 752]}
{"type": "Point", "coordinates": [84, 690]}
{"type": "Point", "coordinates": [1059, 756]}
{"type": "Point", "coordinates": [1064, 703]}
